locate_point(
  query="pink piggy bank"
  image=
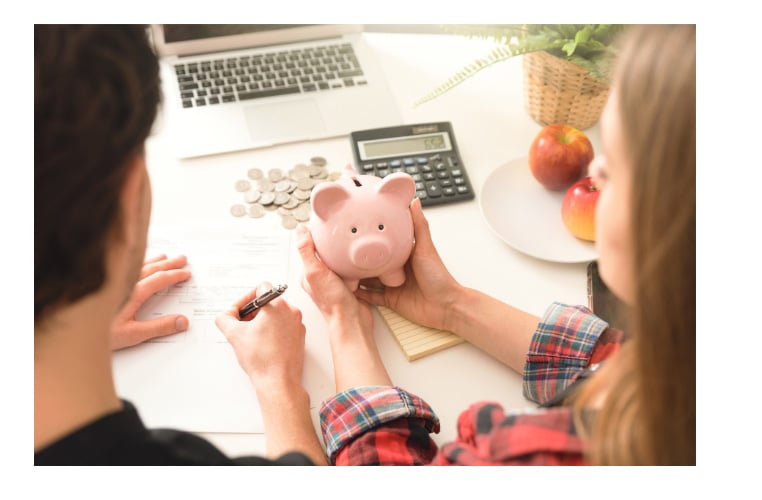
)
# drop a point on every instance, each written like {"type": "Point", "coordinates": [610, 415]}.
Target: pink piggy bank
{"type": "Point", "coordinates": [362, 227]}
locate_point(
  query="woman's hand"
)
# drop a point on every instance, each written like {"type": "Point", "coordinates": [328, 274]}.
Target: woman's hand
{"type": "Point", "coordinates": [157, 274]}
{"type": "Point", "coordinates": [356, 360]}
{"type": "Point", "coordinates": [429, 290]}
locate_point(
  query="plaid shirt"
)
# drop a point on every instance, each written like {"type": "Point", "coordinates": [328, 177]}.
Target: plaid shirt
{"type": "Point", "coordinates": [381, 425]}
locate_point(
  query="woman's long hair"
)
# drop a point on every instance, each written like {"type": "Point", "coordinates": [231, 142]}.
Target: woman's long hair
{"type": "Point", "coordinates": [647, 392]}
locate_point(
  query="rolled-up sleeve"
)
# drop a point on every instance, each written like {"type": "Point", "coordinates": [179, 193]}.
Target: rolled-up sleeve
{"type": "Point", "coordinates": [385, 425]}
{"type": "Point", "coordinates": [561, 347]}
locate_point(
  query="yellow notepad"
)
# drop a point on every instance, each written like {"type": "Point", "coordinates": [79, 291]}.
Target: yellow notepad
{"type": "Point", "coordinates": [415, 340]}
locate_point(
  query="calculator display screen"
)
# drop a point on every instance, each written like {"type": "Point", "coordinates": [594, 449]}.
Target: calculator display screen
{"type": "Point", "coordinates": [399, 146]}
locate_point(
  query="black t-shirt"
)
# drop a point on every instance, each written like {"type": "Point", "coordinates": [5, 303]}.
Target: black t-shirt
{"type": "Point", "coordinates": [120, 438]}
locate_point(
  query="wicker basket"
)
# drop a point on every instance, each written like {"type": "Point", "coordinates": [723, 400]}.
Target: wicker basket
{"type": "Point", "coordinates": [557, 91]}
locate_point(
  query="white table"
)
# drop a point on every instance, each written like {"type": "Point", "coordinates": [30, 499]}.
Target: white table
{"type": "Point", "coordinates": [491, 127]}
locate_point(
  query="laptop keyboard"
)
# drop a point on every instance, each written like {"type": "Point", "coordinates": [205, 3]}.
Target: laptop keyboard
{"type": "Point", "coordinates": [241, 78]}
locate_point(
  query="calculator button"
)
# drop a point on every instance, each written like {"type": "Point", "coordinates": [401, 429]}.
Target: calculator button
{"type": "Point", "coordinates": [462, 190]}
{"type": "Point", "coordinates": [382, 172]}
{"type": "Point", "coordinates": [429, 176]}
{"type": "Point", "coordinates": [419, 186]}
{"type": "Point", "coordinates": [440, 166]}
{"type": "Point", "coordinates": [408, 162]}
{"type": "Point", "coordinates": [459, 181]}
{"type": "Point", "coordinates": [367, 167]}
{"type": "Point", "coordinates": [382, 164]}
{"type": "Point", "coordinates": [395, 163]}
{"type": "Point", "coordinates": [422, 160]}
{"type": "Point", "coordinates": [448, 191]}
{"type": "Point", "coordinates": [412, 170]}
{"type": "Point", "coordinates": [433, 189]}
{"type": "Point", "coordinates": [426, 168]}
{"type": "Point", "coordinates": [422, 195]}
{"type": "Point", "coordinates": [417, 177]}
{"type": "Point", "coordinates": [435, 157]}
{"type": "Point", "coordinates": [443, 175]}
{"type": "Point", "coordinates": [457, 172]}
{"type": "Point", "coordinates": [445, 182]}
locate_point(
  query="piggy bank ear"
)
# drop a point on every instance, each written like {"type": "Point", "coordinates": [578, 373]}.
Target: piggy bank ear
{"type": "Point", "coordinates": [399, 186]}
{"type": "Point", "coordinates": [327, 197]}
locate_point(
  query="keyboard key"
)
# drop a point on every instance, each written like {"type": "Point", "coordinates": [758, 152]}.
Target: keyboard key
{"type": "Point", "coordinates": [348, 74]}
{"type": "Point", "coordinates": [267, 93]}
{"type": "Point", "coordinates": [228, 98]}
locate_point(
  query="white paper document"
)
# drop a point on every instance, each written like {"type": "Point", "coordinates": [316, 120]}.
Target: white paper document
{"type": "Point", "coordinates": [192, 380]}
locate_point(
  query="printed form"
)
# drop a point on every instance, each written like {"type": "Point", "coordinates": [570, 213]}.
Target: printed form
{"type": "Point", "coordinates": [192, 380]}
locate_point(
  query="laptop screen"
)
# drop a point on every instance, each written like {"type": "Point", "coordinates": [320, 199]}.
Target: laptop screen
{"type": "Point", "coordinates": [184, 32]}
{"type": "Point", "coordinates": [190, 39]}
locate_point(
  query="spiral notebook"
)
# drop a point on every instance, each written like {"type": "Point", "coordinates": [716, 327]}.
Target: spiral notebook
{"type": "Point", "coordinates": [416, 340]}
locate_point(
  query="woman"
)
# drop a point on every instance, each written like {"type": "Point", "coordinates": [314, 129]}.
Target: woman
{"type": "Point", "coordinates": [624, 402]}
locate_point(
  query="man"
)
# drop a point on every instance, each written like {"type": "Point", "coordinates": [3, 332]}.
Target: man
{"type": "Point", "coordinates": [96, 97]}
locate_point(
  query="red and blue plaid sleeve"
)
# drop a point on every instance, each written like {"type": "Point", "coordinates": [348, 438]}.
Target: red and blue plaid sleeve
{"type": "Point", "coordinates": [489, 436]}
{"type": "Point", "coordinates": [562, 346]}
{"type": "Point", "coordinates": [400, 423]}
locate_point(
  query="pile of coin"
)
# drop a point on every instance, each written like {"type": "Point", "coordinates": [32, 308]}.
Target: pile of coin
{"type": "Point", "coordinates": [285, 192]}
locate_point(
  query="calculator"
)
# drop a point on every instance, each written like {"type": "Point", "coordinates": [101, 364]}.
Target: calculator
{"type": "Point", "coordinates": [426, 151]}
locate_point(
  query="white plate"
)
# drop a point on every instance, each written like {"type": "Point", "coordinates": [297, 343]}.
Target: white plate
{"type": "Point", "coordinates": [527, 216]}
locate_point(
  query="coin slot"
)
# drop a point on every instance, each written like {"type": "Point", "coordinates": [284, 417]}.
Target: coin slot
{"type": "Point", "coordinates": [357, 183]}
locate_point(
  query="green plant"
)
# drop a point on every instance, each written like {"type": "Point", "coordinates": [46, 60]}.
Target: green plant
{"type": "Point", "coordinates": [590, 46]}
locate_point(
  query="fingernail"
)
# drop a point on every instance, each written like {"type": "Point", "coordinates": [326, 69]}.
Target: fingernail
{"type": "Point", "coordinates": [181, 323]}
{"type": "Point", "coordinates": [301, 231]}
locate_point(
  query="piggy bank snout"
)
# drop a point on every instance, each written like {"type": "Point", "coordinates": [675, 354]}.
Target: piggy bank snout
{"type": "Point", "coordinates": [370, 253]}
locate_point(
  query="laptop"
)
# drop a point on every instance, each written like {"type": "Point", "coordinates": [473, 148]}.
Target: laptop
{"type": "Point", "coordinates": [235, 87]}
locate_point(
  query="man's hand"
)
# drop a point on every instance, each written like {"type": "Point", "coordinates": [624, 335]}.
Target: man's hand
{"type": "Point", "coordinates": [157, 274]}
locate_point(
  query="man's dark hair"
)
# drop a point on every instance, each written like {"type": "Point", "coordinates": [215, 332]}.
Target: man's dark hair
{"type": "Point", "coordinates": [96, 95]}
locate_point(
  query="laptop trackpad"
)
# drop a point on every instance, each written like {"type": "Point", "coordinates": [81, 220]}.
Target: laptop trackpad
{"type": "Point", "coordinates": [299, 119]}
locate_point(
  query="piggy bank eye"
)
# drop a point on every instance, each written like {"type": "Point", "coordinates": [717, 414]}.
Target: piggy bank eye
{"type": "Point", "coordinates": [354, 230]}
{"type": "Point", "coordinates": [380, 227]}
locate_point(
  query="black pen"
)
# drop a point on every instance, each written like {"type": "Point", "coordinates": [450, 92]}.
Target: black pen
{"type": "Point", "coordinates": [263, 299]}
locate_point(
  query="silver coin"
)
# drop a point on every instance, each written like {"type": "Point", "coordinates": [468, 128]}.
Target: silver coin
{"type": "Point", "coordinates": [265, 185]}
{"type": "Point", "coordinates": [282, 210]}
{"type": "Point", "coordinates": [292, 202]}
{"type": "Point", "coordinates": [289, 222]}
{"type": "Point", "coordinates": [281, 198]}
{"type": "Point", "coordinates": [256, 210]}
{"type": "Point", "coordinates": [302, 194]}
{"type": "Point", "coordinates": [271, 207]}
{"type": "Point", "coordinates": [282, 186]}
{"type": "Point", "coordinates": [251, 196]}
{"type": "Point", "coordinates": [301, 167]}
{"type": "Point", "coordinates": [305, 184]}
{"type": "Point", "coordinates": [255, 174]}
{"type": "Point", "coordinates": [275, 174]}
{"type": "Point", "coordinates": [302, 212]}
{"type": "Point", "coordinates": [318, 160]}
{"type": "Point", "coordinates": [298, 175]}
{"type": "Point", "coordinates": [333, 176]}
{"type": "Point", "coordinates": [237, 210]}
{"type": "Point", "coordinates": [267, 198]}
{"type": "Point", "coordinates": [315, 170]}
{"type": "Point", "coordinates": [242, 185]}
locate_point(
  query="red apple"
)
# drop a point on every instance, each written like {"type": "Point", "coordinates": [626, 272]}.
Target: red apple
{"type": "Point", "coordinates": [559, 155]}
{"type": "Point", "coordinates": [578, 209]}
